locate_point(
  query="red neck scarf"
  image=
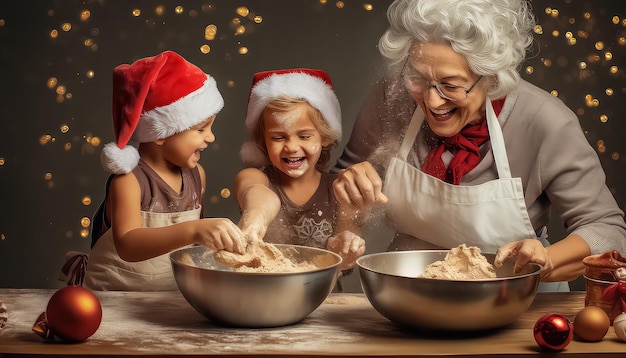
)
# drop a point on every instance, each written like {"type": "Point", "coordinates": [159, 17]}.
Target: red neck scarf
{"type": "Point", "coordinates": [467, 154]}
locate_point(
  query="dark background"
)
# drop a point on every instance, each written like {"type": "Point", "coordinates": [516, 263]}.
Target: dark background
{"type": "Point", "coordinates": [56, 59]}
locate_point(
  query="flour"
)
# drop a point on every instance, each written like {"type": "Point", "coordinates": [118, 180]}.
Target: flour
{"type": "Point", "coordinates": [261, 257]}
{"type": "Point", "coordinates": [461, 263]}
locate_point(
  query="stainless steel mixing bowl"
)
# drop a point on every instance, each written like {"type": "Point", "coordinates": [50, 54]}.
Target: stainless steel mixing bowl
{"type": "Point", "coordinates": [254, 300]}
{"type": "Point", "coordinates": [390, 282]}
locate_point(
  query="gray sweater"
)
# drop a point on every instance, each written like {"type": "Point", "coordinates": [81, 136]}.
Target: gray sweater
{"type": "Point", "coordinates": [545, 145]}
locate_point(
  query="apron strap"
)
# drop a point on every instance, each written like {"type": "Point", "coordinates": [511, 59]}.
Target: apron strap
{"type": "Point", "coordinates": [411, 133]}
{"type": "Point", "coordinates": [497, 143]}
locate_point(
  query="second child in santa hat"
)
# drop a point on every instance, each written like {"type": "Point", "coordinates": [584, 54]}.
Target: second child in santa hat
{"type": "Point", "coordinates": [165, 106]}
{"type": "Point", "coordinates": [286, 194]}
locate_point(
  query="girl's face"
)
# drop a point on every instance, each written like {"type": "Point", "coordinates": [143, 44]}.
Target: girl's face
{"type": "Point", "coordinates": [293, 143]}
{"type": "Point", "coordinates": [183, 149]}
{"type": "Point", "coordinates": [439, 63]}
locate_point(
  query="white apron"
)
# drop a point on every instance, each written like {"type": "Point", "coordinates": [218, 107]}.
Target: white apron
{"type": "Point", "coordinates": [106, 271]}
{"type": "Point", "coordinates": [487, 215]}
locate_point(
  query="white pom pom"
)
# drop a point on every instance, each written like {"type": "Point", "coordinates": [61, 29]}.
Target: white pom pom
{"type": "Point", "coordinates": [119, 161]}
{"type": "Point", "coordinates": [252, 156]}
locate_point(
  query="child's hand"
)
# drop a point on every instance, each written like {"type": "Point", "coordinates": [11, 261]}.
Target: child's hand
{"type": "Point", "coordinates": [349, 246]}
{"type": "Point", "coordinates": [220, 234]}
{"type": "Point", "coordinates": [253, 228]}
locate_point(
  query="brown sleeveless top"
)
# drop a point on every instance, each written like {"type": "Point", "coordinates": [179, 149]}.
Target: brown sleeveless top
{"type": "Point", "coordinates": [310, 224]}
{"type": "Point", "coordinates": [156, 196]}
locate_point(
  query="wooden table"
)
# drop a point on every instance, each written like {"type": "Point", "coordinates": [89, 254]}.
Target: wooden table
{"type": "Point", "coordinates": [346, 325]}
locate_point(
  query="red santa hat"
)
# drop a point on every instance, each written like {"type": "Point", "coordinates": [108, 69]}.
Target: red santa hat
{"type": "Point", "coordinates": [154, 98]}
{"type": "Point", "coordinates": [312, 85]}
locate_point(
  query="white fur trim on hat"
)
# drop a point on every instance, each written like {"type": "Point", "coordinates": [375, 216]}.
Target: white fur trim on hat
{"type": "Point", "coordinates": [119, 161]}
{"type": "Point", "coordinates": [296, 85]}
{"type": "Point", "coordinates": [178, 116]}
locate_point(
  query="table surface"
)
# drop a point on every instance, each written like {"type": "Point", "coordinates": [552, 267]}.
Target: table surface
{"type": "Point", "coordinates": [345, 325]}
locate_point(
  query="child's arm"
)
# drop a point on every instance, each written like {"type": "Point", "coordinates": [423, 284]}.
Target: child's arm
{"type": "Point", "coordinates": [136, 243]}
{"type": "Point", "coordinates": [259, 204]}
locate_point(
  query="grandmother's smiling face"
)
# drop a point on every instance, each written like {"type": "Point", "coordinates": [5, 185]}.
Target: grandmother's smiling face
{"type": "Point", "coordinates": [439, 63]}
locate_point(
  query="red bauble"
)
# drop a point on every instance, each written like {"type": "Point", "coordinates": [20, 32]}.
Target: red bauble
{"type": "Point", "coordinates": [74, 313]}
{"type": "Point", "coordinates": [553, 332]}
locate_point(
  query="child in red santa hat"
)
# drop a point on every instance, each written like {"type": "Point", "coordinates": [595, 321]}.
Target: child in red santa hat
{"type": "Point", "coordinates": [154, 196]}
{"type": "Point", "coordinates": [285, 193]}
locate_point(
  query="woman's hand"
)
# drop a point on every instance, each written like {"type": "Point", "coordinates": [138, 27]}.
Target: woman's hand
{"type": "Point", "coordinates": [524, 252]}
{"type": "Point", "coordinates": [359, 186]}
{"type": "Point", "coordinates": [349, 246]}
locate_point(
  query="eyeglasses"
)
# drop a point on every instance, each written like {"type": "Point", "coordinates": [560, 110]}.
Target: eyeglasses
{"type": "Point", "coordinates": [419, 85]}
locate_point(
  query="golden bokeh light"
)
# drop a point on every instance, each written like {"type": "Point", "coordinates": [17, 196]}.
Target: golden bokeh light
{"type": "Point", "coordinates": [242, 11]}
{"type": "Point", "coordinates": [45, 139]}
{"type": "Point", "coordinates": [52, 82]}
{"type": "Point", "coordinates": [225, 193]}
{"type": "Point", "coordinates": [209, 32]}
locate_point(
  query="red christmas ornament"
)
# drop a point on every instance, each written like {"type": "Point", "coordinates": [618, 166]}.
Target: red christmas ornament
{"type": "Point", "coordinates": [73, 314]}
{"type": "Point", "coordinates": [553, 332]}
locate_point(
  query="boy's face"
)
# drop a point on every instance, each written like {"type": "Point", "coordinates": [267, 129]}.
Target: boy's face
{"type": "Point", "coordinates": [183, 149]}
{"type": "Point", "coordinates": [293, 143]}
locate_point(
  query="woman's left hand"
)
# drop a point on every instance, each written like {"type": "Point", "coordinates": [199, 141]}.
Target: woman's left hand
{"type": "Point", "coordinates": [524, 252]}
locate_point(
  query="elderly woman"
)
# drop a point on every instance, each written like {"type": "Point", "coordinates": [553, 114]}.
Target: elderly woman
{"type": "Point", "coordinates": [469, 152]}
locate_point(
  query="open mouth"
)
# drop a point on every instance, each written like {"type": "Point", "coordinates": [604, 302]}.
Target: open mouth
{"type": "Point", "coordinates": [294, 162]}
{"type": "Point", "coordinates": [442, 115]}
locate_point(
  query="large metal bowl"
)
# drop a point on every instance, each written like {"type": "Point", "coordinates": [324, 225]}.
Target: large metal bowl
{"type": "Point", "coordinates": [254, 300]}
{"type": "Point", "coordinates": [390, 282]}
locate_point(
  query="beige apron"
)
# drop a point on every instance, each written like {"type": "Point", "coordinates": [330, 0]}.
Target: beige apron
{"type": "Point", "coordinates": [106, 271]}
{"type": "Point", "coordinates": [439, 214]}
